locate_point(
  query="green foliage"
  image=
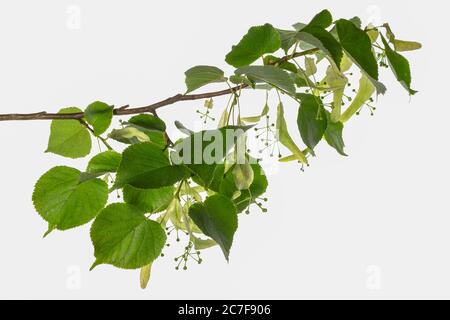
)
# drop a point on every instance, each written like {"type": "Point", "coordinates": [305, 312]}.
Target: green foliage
{"type": "Point", "coordinates": [146, 166]}
{"type": "Point", "coordinates": [400, 67]}
{"type": "Point", "coordinates": [311, 120]}
{"type": "Point", "coordinates": [323, 40]}
{"type": "Point", "coordinates": [147, 122]}
{"type": "Point", "coordinates": [258, 41]}
{"type": "Point", "coordinates": [270, 75]}
{"type": "Point", "coordinates": [323, 19]}
{"type": "Point", "coordinates": [69, 138]}
{"type": "Point", "coordinates": [333, 135]}
{"type": "Point", "coordinates": [99, 115]}
{"type": "Point", "coordinates": [125, 238]}
{"type": "Point", "coordinates": [358, 46]}
{"type": "Point", "coordinates": [217, 218]}
{"type": "Point", "coordinates": [148, 200]}
{"type": "Point", "coordinates": [104, 162]}
{"type": "Point", "coordinates": [64, 202]}
{"type": "Point", "coordinates": [226, 184]}
{"type": "Point", "coordinates": [193, 190]}
{"type": "Point", "coordinates": [200, 76]}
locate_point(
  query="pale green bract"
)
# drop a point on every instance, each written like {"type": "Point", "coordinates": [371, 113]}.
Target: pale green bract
{"type": "Point", "coordinates": [365, 91]}
{"type": "Point", "coordinates": [256, 119]}
{"type": "Point", "coordinates": [243, 175]}
{"type": "Point", "coordinates": [285, 138]}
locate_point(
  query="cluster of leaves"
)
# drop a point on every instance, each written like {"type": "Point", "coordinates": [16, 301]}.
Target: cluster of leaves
{"type": "Point", "coordinates": [203, 200]}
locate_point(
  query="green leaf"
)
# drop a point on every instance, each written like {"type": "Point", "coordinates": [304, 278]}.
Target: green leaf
{"type": "Point", "coordinates": [104, 162]}
{"type": "Point", "coordinates": [147, 122]}
{"type": "Point", "coordinates": [217, 218]}
{"type": "Point", "coordinates": [125, 238]}
{"type": "Point", "coordinates": [64, 202]}
{"type": "Point", "coordinates": [365, 92]}
{"type": "Point", "coordinates": [146, 166]}
{"type": "Point", "coordinates": [315, 35]}
{"type": "Point", "coordinates": [358, 46]}
{"type": "Point", "coordinates": [202, 151]}
{"type": "Point", "coordinates": [158, 138]}
{"type": "Point", "coordinates": [356, 21]}
{"type": "Point", "coordinates": [323, 19]}
{"type": "Point", "coordinates": [311, 120]}
{"type": "Point", "coordinates": [288, 38]}
{"type": "Point", "coordinates": [301, 80]}
{"type": "Point", "coordinates": [204, 173]}
{"type": "Point", "coordinates": [284, 137]}
{"type": "Point", "coordinates": [200, 76]}
{"type": "Point", "coordinates": [333, 135]}
{"type": "Point", "coordinates": [99, 116]}
{"type": "Point", "coordinates": [69, 138]}
{"type": "Point", "coordinates": [400, 66]}
{"type": "Point", "coordinates": [271, 75]}
{"type": "Point", "coordinates": [258, 41]}
{"type": "Point", "coordinates": [401, 45]}
{"type": "Point", "coordinates": [148, 200]}
{"type": "Point", "coordinates": [322, 39]}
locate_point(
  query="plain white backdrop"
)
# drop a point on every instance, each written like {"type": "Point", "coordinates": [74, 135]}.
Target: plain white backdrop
{"type": "Point", "coordinates": [373, 225]}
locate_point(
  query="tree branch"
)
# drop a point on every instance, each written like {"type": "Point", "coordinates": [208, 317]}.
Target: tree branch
{"type": "Point", "coordinates": [126, 110]}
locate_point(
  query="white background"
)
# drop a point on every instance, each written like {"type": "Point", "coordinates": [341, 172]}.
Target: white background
{"type": "Point", "coordinates": [373, 225]}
